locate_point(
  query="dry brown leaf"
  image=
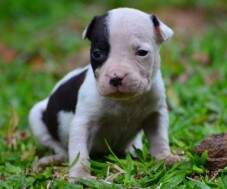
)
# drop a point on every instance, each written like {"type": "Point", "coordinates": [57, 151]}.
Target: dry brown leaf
{"type": "Point", "coordinates": [36, 61]}
{"type": "Point", "coordinates": [202, 58]}
{"type": "Point", "coordinates": [11, 135]}
{"type": "Point", "coordinates": [212, 77]}
{"type": "Point", "coordinates": [6, 53]}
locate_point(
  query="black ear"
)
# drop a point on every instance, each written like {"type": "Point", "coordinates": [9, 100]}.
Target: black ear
{"type": "Point", "coordinates": [87, 33]}
{"type": "Point", "coordinates": [96, 28]}
{"type": "Point", "coordinates": [161, 30]}
{"type": "Point", "coordinates": [155, 21]}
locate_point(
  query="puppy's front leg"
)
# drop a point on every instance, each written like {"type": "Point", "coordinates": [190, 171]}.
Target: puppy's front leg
{"type": "Point", "coordinates": [156, 129]}
{"type": "Point", "coordinates": [78, 147]}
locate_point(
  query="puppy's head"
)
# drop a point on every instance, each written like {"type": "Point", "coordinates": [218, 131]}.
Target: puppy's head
{"type": "Point", "coordinates": [125, 51]}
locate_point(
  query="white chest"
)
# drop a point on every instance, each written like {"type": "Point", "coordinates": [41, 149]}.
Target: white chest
{"type": "Point", "coordinates": [118, 125]}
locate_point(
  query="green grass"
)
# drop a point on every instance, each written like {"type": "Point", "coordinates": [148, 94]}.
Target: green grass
{"type": "Point", "coordinates": [198, 103]}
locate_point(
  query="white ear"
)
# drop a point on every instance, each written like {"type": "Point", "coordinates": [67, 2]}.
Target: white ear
{"type": "Point", "coordinates": [161, 30]}
{"type": "Point", "coordinates": [166, 31]}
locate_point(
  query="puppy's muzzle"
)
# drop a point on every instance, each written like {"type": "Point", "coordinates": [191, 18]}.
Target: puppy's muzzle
{"type": "Point", "coordinates": [116, 81]}
{"type": "Point", "coordinates": [119, 83]}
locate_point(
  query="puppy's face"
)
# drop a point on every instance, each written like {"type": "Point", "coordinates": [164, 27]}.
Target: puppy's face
{"type": "Point", "coordinates": [125, 51]}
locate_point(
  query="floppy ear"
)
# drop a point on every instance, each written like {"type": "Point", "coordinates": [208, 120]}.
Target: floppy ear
{"type": "Point", "coordinates": [162, 31]}
{"type": "Point", "coordinates": [87, 33]}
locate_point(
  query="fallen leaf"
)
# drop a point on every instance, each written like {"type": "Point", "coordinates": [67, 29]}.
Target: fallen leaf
{"type": "Point", "coordinates": [202, 58]}
{"type": "Point", "coordinates": [212, 77]}
{"type": "Point", "coordinates": [6, 53]}
{"type": "Point", "coordinates": [23, 135]}
{"type": "Point", "coordinates": [36, 61]}
{"type": "Point", "coordinates": [11, 136]}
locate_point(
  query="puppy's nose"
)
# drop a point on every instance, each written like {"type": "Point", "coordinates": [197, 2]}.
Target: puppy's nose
{"type": "Point", "coordinates": [116, 81]}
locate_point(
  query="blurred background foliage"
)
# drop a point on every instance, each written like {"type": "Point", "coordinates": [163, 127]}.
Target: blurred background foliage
{"type": "Point", "coordinates": [40, 41]}
{"type": "Point", "coordinates": [54, 27]}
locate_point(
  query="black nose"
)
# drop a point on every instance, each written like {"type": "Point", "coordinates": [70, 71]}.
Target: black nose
{"type": "Point", "coordinates": [116, 81]}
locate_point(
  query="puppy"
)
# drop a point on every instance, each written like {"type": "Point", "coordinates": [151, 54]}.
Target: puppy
{"type": "Point", "coordinates": [110, 101]}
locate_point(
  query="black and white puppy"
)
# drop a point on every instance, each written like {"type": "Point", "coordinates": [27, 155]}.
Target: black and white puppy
{"type": "Point", "coordinates": [112, 100]}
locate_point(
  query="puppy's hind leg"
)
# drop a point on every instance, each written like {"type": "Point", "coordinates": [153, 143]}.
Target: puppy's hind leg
{"type": "Point", "coordinates": [43, 136]}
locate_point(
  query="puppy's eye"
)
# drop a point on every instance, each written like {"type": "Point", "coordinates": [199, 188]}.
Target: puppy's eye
{"type": "Point", "coordinates": [97, 54]}
{"type": "Point", "coordinates": [141, 52]}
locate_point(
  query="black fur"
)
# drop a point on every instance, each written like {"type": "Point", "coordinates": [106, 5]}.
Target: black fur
{"type": "Point", "coordinates": [97, 33]}
{"type": "Point", "coordinates": [155, 21]}
{"type": "Point", "coordinates": [63, 99]}
{"type": "Point", "coordinates": [156, 24]}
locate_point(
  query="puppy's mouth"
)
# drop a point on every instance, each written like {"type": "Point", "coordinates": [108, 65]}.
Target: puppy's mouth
{"type": "Point", "coordinates": [117, 94]}
{"type": "Point", "coordinates": [121, 92]}
{"type": "Point", "coordinates": [121, 95]}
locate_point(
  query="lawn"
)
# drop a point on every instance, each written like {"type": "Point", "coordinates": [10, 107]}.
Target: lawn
{"type": "Point", "coordinates": [41, 41]}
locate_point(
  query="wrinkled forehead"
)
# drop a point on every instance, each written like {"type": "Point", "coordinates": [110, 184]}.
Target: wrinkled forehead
{"type": "Point", "coordinates": [129, 25]}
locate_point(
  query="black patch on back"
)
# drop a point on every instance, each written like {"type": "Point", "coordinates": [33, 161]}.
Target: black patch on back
{"type": "Point", "coordinates": [97, 33]}
{"type": "Point", "coordinates": [63, 99]}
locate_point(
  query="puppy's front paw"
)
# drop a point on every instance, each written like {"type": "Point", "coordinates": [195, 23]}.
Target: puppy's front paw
{"type": "Point", "coordinates": [172, 158]}
{"type": "Point", "coordinates": [78, 174]}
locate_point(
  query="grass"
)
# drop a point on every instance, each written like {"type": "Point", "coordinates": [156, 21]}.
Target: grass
{"type": "Point", "coordinates": [196, 90]}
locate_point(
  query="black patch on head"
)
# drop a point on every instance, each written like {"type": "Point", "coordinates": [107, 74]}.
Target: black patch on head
{"type": "Point", "coordinates": [63, 99]}
{"type": "Point", "coordinates": [155, 21]}
{"type": "Point", "coordinates": [97, 33]}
